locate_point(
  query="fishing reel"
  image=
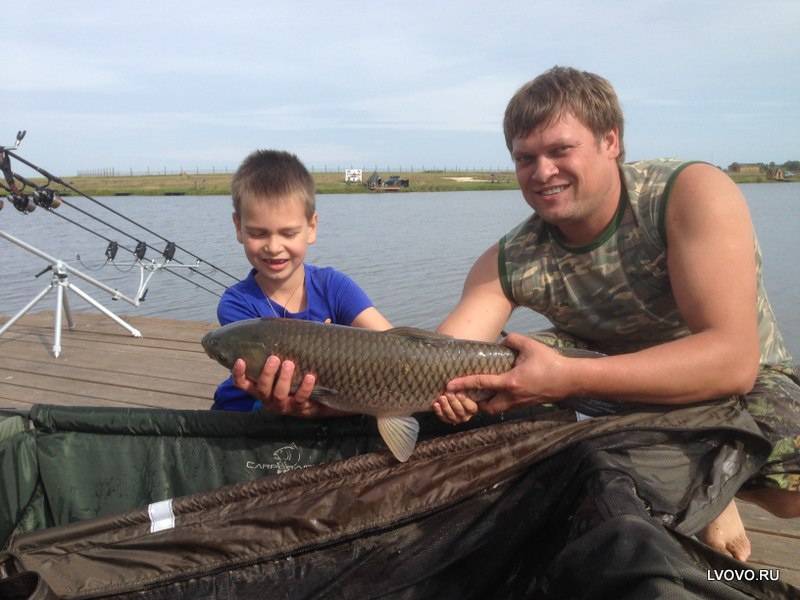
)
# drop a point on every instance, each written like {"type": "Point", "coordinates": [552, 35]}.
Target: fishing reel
{"type": "Point", "coordinates": [22, 202]}
{"type": "Point", "coordinates": [46, 198]}
{"type": "Point", "coordinates": [27, 203]}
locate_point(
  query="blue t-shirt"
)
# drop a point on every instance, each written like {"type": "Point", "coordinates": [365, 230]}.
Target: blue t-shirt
{"type": "Point", "coordinates": [330, 295]}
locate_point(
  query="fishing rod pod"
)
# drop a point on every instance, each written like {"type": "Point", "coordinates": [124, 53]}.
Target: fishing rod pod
{"type": "Point", "coordinates": [48, 199]}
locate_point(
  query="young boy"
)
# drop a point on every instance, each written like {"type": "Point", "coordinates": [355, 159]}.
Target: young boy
{"type": "Point", "coordinates": [276, 221]}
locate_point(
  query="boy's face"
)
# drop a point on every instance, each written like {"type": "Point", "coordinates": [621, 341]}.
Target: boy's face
{"type": "Point", "coordinates": [276, 237]}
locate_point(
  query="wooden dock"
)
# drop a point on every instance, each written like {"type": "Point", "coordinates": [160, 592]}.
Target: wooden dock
{"type": "Point", "coordinates": [102, 365]}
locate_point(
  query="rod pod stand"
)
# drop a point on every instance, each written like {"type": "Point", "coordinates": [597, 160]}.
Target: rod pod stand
{"type": "Point", "coordinates": [60, 282]}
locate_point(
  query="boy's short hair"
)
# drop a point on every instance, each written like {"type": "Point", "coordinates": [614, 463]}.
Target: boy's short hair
{"type": "Point", "coordinates": [272, 174]}
{"type": "Point", "coordinates": [589, 97]}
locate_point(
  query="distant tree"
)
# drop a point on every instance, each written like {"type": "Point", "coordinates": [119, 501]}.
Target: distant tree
{"type": "Point", "coordinates": [792, 165]}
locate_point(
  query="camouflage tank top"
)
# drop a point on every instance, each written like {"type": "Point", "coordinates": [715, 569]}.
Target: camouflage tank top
{"type": "Point", "coordinates": [615, 292]}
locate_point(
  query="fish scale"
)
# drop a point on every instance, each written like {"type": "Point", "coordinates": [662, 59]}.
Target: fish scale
{"type": "Point", "coordinates": [389, 374]}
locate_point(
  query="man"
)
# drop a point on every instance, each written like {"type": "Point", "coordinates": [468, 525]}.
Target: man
{"type": "Point", "coordinates": [654, 264]}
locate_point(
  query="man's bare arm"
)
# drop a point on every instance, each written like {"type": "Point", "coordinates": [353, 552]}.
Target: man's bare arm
{"type": "Point", "coordinates": [483, 309]}
{"type": "Point", "coordinates": [711, 263]}
{"type": "Point", "coordinates": [712, 270]}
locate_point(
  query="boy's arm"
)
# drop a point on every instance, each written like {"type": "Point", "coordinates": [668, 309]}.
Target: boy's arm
{"type": "Point", "coordinates": [371, 318]}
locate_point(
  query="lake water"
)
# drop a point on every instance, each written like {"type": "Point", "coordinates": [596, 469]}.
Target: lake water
{"type": "Point", "coordinates": [410, 252]}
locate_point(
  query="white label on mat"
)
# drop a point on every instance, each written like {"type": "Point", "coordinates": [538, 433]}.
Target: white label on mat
{"type": "Point", "coordinates": [161, 515]}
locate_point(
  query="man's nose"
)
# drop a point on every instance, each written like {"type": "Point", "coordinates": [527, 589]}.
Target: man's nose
{"type": "Point", "coordinates": [545, 168]}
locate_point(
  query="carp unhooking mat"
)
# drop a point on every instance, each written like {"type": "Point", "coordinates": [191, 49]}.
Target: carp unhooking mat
{"type": "Point", "coordinates": [61, 464]}
{"type": "Point", "coordinates": [530, 508]}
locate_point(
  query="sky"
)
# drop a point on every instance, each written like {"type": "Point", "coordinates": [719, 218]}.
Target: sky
{"type": "Point", "coordinates": [393, 85]}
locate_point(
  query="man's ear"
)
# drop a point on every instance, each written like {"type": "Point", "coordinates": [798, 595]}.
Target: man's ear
{"type": "Point", "coordinates": [610, 143]}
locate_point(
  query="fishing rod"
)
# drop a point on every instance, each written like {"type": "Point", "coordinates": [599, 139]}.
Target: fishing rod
{"type": "Point", "coordinates": [49, 200]}
{"type": "Point", "coordinates": [55, 179]}
{"type": "Point", "coordinates": [27, 204]}
{"type": "Point", "coordinates": [141, 247]}
{"type": "Point", "coordinates": [111, 252]}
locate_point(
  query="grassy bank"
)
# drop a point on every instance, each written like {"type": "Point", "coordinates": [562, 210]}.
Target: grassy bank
{"type": "Point", "coordinates": [757, 178]}
{"type": "Point", "coordinates": [327, 183]}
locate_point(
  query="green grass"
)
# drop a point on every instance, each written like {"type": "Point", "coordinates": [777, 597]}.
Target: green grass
{"type": "Point", "coordinates": [326, 183]}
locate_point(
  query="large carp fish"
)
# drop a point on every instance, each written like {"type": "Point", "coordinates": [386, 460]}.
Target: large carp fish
{"type": "Point", "coordinates": [387, 374]}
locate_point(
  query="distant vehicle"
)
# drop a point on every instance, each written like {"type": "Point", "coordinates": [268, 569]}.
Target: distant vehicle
{"type": "Point", "coordinates": [395, 181]}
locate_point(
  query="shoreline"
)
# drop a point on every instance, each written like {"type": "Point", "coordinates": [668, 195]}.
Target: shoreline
{"type": "Point", "coordinates": [218, 184]}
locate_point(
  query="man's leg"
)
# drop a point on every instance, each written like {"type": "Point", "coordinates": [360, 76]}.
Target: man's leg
{"type": "Point", "coordinates": [774, 403]}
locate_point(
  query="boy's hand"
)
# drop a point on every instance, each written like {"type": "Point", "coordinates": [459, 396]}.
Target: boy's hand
{"type": "Point", "coordinates": [273, 389]}
{"type": "Point", "coordinates": [455, 408]}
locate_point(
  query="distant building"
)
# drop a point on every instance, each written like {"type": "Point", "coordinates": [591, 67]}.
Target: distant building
{"type": "Point", "coordinates": [745, 168]}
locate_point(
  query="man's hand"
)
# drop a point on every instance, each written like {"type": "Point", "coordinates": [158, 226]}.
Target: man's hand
{"type": "Point", "coordinates": [273, 388]}
{"type": "Point", "coordinates": [540, 375]}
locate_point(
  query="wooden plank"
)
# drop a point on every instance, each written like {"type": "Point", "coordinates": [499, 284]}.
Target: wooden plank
{"type": "Point", "coordinates": [166, 333]}
{"type": "Point", "coordinates": [6, 402]}
{"type": "Point", "coordinates": [775, 542]}
{"type": "Point", "coordinates": [44, 339]}
{"type": "Point", "coordinates": [178, 376]}
{"type": "Point", "coordinates": [27, 396]}
{"type": "Point", "coordinates": [757, 519]}
{"type": "Point", "coordinates": [106, 385]}
{"type": "Point", "coordinates": [776, 552]}
{"type": "Point", "coordinates": [102, 365]}
{"type": "Point", "coordinates": [131, 360]}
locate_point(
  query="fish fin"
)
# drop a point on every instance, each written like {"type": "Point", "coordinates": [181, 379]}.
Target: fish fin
{"type": "Point", "coordinates": [422, 335]}
{"type": "Point", "coordinates": [319, 393]}
{"type": "Point", "coordinates": [400, 434]}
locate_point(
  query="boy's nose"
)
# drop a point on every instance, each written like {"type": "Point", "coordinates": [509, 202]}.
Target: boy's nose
{"type": "Point", "coordinates": [272, 246]}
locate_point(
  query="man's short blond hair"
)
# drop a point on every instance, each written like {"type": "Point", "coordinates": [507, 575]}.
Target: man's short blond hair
{"type": "Point", "coordinates": [588, 97]}
{"type": "Point", "coordinates": [273, 174]}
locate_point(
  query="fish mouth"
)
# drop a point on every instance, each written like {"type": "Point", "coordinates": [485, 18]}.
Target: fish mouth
{"type": "Point", "coordinates": [209, 345]}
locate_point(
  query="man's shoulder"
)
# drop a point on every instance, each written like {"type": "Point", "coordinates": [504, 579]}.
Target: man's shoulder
{"type": "Point", "coordinates": [653, 168]}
